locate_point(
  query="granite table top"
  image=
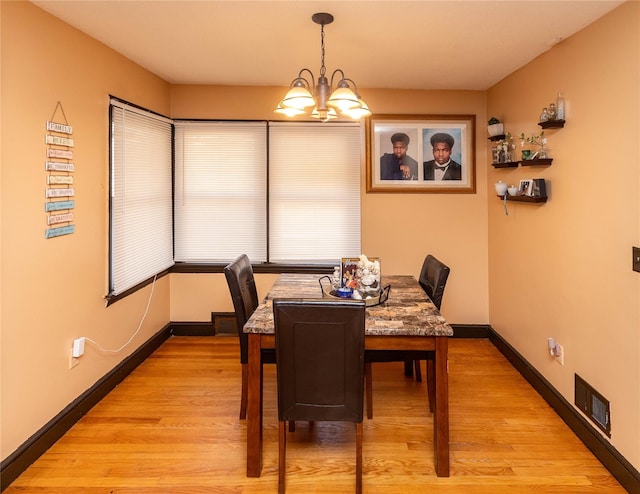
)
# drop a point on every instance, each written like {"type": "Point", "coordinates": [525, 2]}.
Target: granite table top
{"type": "Point", "coordinates": [407, 312]}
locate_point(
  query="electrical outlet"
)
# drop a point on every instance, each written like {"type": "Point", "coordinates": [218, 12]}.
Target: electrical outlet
{"type": "Point", "coordinates": [78, 347]}
{"type": "Point", "coordinates": [73, 361]}
{"type": "Point", "coordinates": [559, 354]}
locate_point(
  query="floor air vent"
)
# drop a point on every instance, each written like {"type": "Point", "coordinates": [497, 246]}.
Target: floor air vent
{"type": "Point", "coordinates": [593, 404]}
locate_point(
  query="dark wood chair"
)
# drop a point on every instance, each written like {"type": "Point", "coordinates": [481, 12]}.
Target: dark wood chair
{"type": "Point", "coordinates": [242, 286]}
{"type": "Point", "coordinates": [320, 367]}
{"type": "Point", "coordinates": [433, 279]}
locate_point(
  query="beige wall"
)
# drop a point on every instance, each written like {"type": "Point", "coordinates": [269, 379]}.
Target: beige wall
{"type": "Point", "coordinates": [53, 290]}
{"type": "Point", "coordinates": [399, 228]}
{"type": "Point", "coordinates": [563, 270]}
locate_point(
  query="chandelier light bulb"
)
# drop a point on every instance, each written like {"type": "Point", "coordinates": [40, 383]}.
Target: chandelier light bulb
{"type": "Point", "coordinates": [343, 98]}
{"type": "Point", "coordinates": [298, 97]}
{"type": "Point", "coordinates": [358, 112]}
{"type": "Point", "coordinates": [288, 111]}
{"type": "Point", "coordinates": [324, 114]}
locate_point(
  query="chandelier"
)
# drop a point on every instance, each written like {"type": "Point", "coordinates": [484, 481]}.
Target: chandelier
{"type": "Point", "coordinates": [325, 101]}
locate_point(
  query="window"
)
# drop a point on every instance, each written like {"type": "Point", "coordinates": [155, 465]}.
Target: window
{"type": "Point", "coordinates": [279, 192]}
{"type": "Point", "coordinates": [314, 192]}
{"type": "Point", "coordinates": [220, 192]}
{"type": "Point", "coordinates": [140, 196]}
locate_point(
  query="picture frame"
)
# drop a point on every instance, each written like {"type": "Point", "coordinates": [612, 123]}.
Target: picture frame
{"type": "Point", "coordinates": [348, 268]}
{"type": "Point", "coordinates": [525, 187]}
{"type": "Point", "coordinates": [418, 174]}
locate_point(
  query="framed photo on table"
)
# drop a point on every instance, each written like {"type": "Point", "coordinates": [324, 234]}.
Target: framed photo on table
{"type": "Point", "coordinates": [421, 153]}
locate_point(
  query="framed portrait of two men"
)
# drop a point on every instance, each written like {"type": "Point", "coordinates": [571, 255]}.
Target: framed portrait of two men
{"type": "Point", "coordinates": [421, 153]}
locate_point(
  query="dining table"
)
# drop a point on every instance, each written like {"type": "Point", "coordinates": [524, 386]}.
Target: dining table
{"type": "Point", "coordinates": [406, 320]}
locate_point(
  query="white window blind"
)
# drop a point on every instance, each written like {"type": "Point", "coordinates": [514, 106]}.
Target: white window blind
{"type": "Point", "coordinates": [220, 191]}
{"type": "Point", "coordinates": [226, 195]}
{"type": "Point", "coordinates": [314, 192]}
{"type": "Point", "coordinates": [140, 187]}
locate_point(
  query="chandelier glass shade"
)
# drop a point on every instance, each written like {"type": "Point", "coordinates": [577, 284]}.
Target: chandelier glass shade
{"type": "Point", "coordinates": [326, 101]}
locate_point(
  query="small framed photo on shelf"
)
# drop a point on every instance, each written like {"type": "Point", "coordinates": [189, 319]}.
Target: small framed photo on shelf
{"type": "Point", "coordinates": [539, 188]}
{"type": "Point", "coordinates": [526, 187]}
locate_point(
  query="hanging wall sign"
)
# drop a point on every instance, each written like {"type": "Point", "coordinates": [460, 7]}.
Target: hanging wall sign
{"type": "Point", "coordinates": [52, 219]}
{"type": "Point", "coordinates": [59, 176]}
{"type": "Point", "coordinates": [66, 192]}
{"type": "Point", "coordinates": [58, 141]}
{"type": "Point", "coordinates": [57, 232]}
{"type": "Point", "coordinates": [59, 180]}
{"type": "Point", "coordinates": [56, 166]}
{"type": "Point", "coordinates": [59, 153]}
{"type": "Point", "coordinates": [58, 127]}
{"type": "Point", "coordinates": [58, 205]}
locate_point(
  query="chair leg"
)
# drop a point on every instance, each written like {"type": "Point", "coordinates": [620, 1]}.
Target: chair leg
{"type": "Point", "coordinates": [431, 383]}
{"type": "Point", "coordinates": [282, 454]}
{"type": "Point", "coordinates": [416, 364]}
{"type": "Point", "coordinates": [368, 382]}
{"type": "Point", "coordinates": [243, 393]}
{"type": "Point", "coordinates": [408, 368]}
{"type": "Point", "coordinates": [358, 457]}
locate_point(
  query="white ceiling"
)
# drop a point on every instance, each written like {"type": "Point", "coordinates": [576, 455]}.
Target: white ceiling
{"type": "Point", "coordinates": [418, 44]}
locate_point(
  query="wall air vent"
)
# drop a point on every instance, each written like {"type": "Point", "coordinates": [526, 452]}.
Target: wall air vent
{"type": "Point", "coordinates": [224, 323]}
{"type": "Point", "coordinates": [593, 405]}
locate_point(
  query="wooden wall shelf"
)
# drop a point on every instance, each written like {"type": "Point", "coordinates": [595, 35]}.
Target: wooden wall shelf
{"type": "Point", "coordinates": [525, 199]}
{"type": "Point", "coordinates": [508, 164]}
{"type": "Point", "coordinates": [552, 124]}
{"type": "Point", "coordinates": [537, 162]}
{"type": "Point", "coordinates": [533, 162]}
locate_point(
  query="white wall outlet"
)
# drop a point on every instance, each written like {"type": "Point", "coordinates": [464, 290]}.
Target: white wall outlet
{"type": "Point", "coordinates": [78, 347]}
{"type": "Point", "coordinates": [559, 354]}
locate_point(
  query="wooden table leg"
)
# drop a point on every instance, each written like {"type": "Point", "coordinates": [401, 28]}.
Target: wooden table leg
{"type": "Point", "coordinates": [441, 415]}
{"type": "Point", "coordinates": [254, 408]}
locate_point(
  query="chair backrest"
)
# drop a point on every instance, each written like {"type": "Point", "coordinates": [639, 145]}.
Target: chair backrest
{"type": "Point", "coordinates": [433, 278]}
{"type": "Point", "coordinates": [320, 359]}
{"type": "Point", "coordinates": [242, 286]}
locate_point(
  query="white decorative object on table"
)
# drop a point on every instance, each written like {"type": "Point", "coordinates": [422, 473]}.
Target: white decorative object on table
{"type": "Point", "coordinates": [368, 275]}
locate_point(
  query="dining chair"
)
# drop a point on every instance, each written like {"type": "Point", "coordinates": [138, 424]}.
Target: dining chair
{"type": "Point", "coordinates": [433, 279]}
{"type": "Point", "coordinates": [242, 286]}
{"type": "Point", "coordinates": [320, 367]}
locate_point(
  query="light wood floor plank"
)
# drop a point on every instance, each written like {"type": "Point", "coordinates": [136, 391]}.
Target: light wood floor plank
{"type": "Point", "coordinates": [172, 427]}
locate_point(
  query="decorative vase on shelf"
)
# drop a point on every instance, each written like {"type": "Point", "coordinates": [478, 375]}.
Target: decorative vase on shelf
{"type": "Point", "coordinates": [495, 129]}
{"type": "Point", "coordinates": [501, 188]}
{"type": "Point", "coordinates": [559, 107]}
{"type": "Point", "coordinates": [544, 116]}
{"type": "Point", "coordinates": [543, 153]}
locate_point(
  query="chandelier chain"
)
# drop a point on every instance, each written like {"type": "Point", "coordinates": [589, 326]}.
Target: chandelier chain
{"type": "Point", "coordinates": [323, 69]}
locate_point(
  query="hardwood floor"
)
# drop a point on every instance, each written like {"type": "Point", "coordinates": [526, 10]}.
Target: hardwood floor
{"type": "Point", "coordinates": [172, 427]}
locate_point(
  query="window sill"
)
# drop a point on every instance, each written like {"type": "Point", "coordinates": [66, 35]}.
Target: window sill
{"type": "Point", "coordinates": [262, 268]}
